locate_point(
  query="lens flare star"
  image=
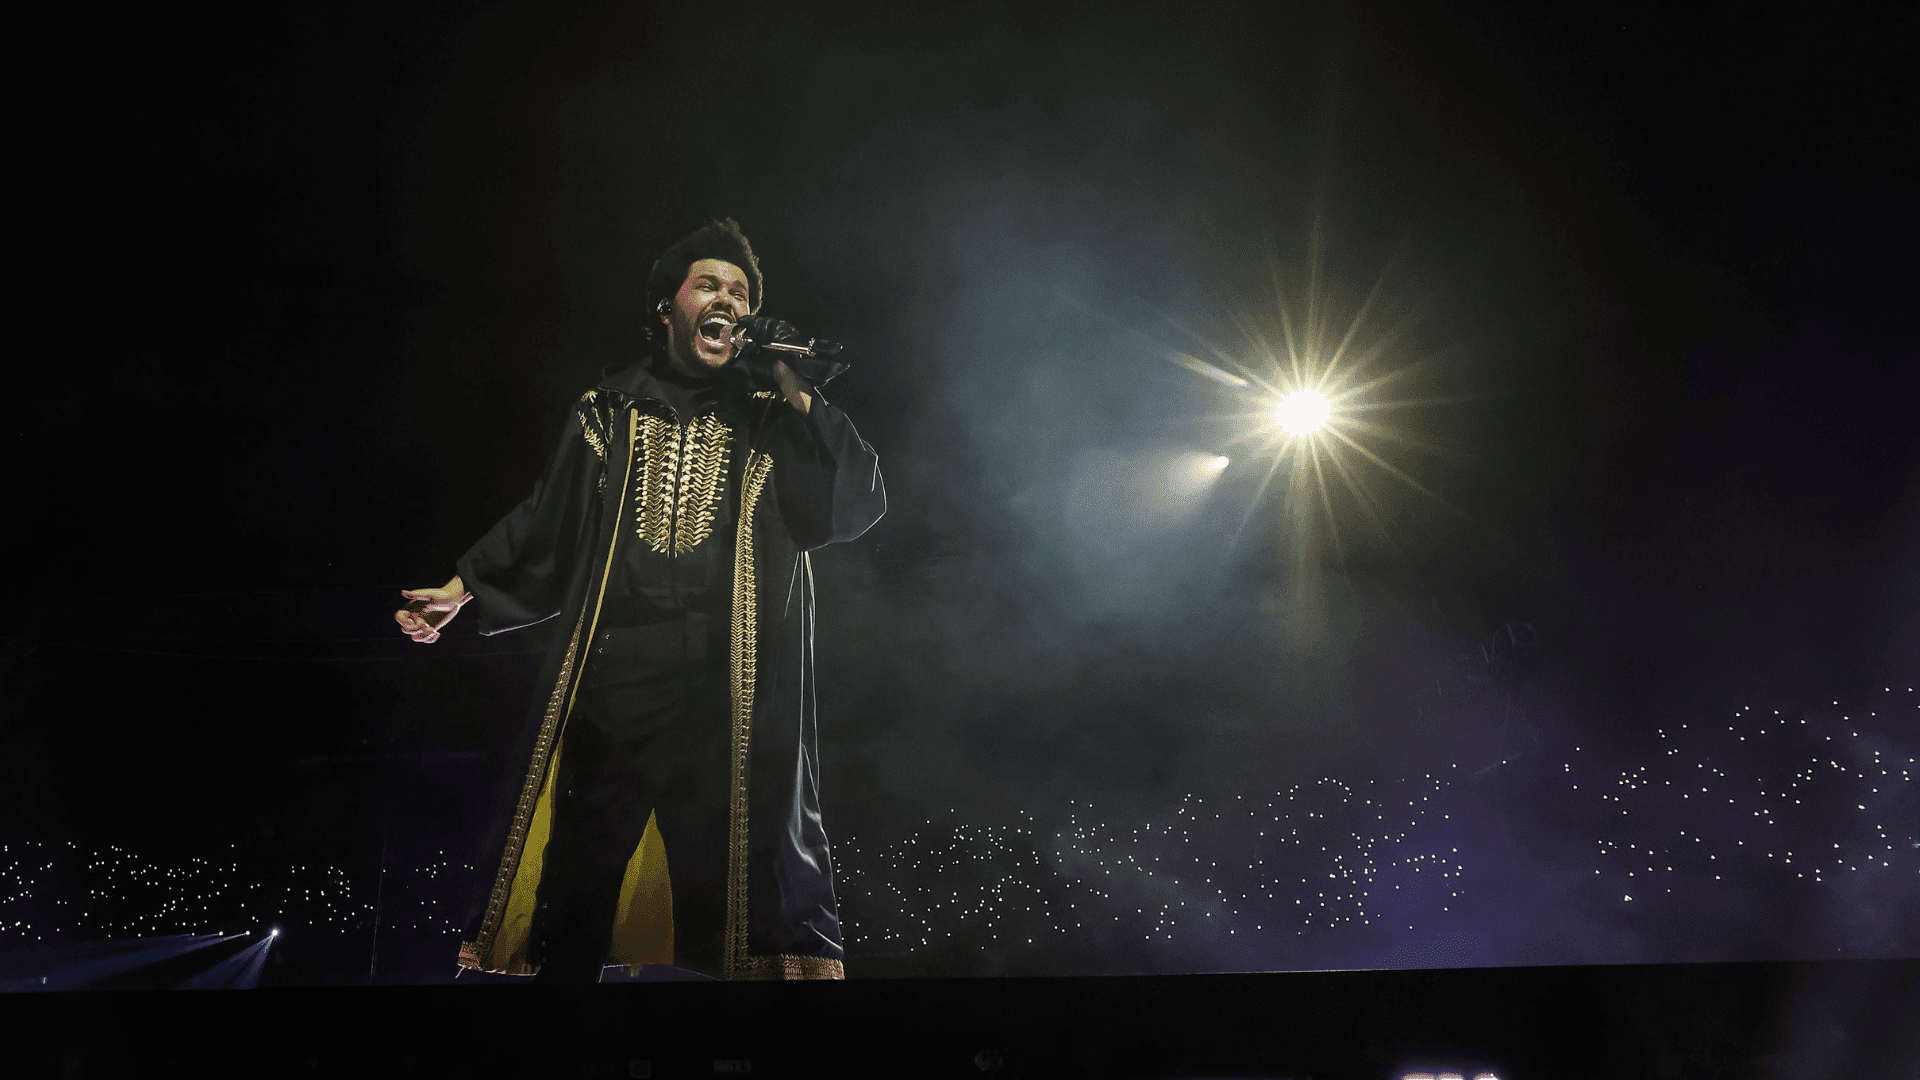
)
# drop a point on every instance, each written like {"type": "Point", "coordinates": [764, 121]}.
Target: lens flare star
{"type": "Point", "coordinates": [1314, 400]}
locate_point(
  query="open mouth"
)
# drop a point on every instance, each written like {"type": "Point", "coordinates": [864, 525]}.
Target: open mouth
{"type": "Point", "coordinates": [716, 332]}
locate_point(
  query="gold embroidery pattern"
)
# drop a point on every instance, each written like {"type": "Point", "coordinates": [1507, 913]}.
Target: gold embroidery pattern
{"type": "Point", "coordinates": [681, 481]}
{"type": "Point", "coordinates": [705, 450]}
{"type": "Point", "coordinates": [659, 452]}
{"type": "Point", "coordinates": [478, 951]}
{"type": "Point", "coordinates": [744, 649]}
{"type": "Point", "coordinates": [593, 437]}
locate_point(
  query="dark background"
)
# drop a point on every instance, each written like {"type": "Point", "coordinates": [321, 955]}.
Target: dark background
{"type": "Point", "coordinates": [302, 295]}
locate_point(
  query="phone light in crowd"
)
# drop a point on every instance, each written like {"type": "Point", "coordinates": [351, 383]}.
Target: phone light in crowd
{"type": "Point", "coordinates": [1302, 412]}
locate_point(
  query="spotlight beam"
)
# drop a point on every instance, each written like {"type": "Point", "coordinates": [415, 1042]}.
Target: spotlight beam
{"type": "Point", "coordinates": [76, 966]}
{"type": "Point", "coordinates": [241, 971]}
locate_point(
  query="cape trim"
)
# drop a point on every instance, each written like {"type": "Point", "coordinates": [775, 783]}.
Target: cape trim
{"type": "Point", "coordinates": [745, 647]}
{"type": "Point", "coordinates": [792, 968]}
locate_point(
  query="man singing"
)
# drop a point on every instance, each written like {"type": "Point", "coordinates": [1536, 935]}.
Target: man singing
{"type": "Point", "coordinates": [663, 806]}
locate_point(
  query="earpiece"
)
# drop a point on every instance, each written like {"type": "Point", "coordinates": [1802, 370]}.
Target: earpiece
{"type": "Point", "coordinates": [663, 306]}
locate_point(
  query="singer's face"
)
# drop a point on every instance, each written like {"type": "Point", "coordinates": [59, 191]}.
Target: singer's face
{"type": "Point", "coordinates": [698, 322]}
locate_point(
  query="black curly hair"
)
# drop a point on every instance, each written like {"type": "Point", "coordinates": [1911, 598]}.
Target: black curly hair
{"type": "Point", "coordinates": [717, 239]}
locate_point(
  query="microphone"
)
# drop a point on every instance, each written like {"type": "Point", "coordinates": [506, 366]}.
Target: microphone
{"type": "Point", "coordinates": [765, 332]}
{"type": "Point", "coordinates": [758, 339]}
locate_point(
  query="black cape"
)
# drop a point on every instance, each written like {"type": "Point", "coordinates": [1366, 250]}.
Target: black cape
{"type": "Point", "coordinates": [796, 481]}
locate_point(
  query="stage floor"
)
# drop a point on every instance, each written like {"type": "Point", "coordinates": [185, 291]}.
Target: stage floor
{"type": "Point", "coordinates": [1818, 1019]}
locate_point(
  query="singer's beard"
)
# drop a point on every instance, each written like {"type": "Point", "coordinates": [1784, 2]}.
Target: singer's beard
{"type": "Point", "coordinates": [693, 353]}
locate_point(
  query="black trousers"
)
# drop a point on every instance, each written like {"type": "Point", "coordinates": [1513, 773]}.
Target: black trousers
{"type": "Point", "coordinates": [648, 735]}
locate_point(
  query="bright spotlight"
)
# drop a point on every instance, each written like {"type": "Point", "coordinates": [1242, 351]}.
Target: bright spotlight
{"type": "Point", "coordinates": [1221, 463]}
{"type": "Point", "coordinates": [1302, 411]}
{"type": "Point", "coordinates": [1305, 405]}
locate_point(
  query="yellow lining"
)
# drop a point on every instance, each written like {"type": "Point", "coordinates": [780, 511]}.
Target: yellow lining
{"type": "Point", "coordinates": [643, 921]}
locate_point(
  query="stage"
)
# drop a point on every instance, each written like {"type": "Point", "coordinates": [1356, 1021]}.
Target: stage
{"type": "Point", "coordinates": [1815, 1019]}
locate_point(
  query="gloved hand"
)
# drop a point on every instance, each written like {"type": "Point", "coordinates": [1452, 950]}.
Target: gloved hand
{"type": "Point", "coordinates": [754, 331]}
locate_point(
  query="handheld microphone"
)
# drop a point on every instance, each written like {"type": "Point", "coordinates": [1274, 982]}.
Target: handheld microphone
{"type": "Point", "coordinates": [762, 331]}
{"type": "Point", "coordinates": [755, 336]}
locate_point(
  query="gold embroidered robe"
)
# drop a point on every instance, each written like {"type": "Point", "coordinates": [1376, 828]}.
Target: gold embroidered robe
{"type": "Point", "coordinates": [794, 482]}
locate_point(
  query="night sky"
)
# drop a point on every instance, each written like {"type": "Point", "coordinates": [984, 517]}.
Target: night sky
{"type": "Point", "coordinates": [302, 297]}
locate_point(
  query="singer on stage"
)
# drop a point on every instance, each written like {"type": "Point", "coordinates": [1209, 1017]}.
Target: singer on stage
{"type": "Point", "coordinates": [662, 805]}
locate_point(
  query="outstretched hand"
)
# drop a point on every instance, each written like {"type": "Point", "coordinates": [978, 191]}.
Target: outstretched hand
{"type": "Point", "coordinates": [431, 609]}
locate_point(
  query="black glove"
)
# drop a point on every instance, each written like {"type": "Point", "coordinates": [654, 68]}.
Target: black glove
{"type": "Point", "coordinates": [755, 331]}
